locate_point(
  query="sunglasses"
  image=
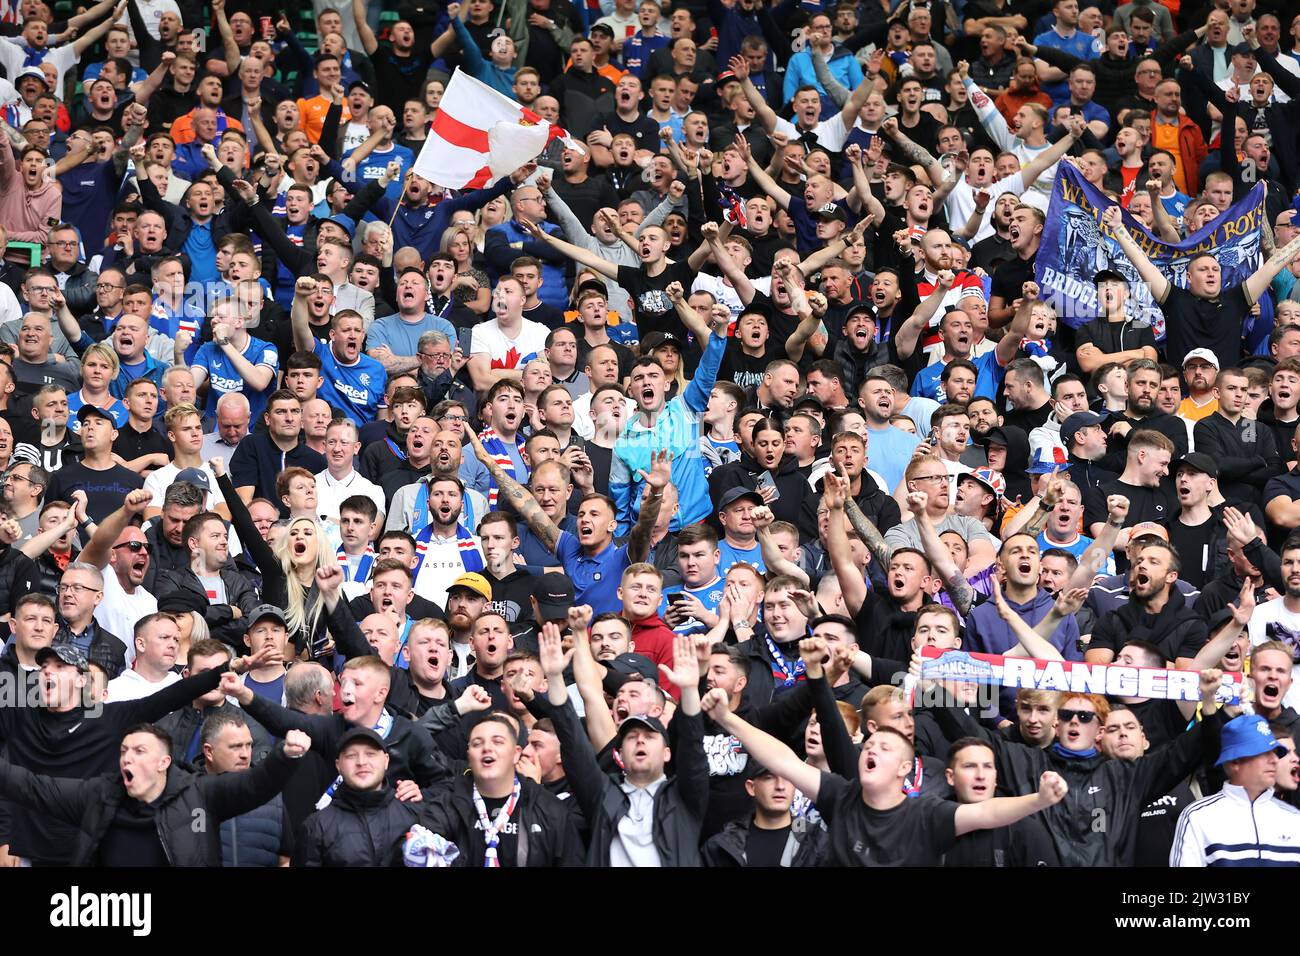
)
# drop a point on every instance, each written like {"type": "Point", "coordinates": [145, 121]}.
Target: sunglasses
{"type": "Point", "coordinates": [1085, 716]}
{"type": "Point", "coordinates": [133, 546]}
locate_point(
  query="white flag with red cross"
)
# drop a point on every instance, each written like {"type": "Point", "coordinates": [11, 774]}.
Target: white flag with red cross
{"type": "Point", "coordinates": [479, 135]}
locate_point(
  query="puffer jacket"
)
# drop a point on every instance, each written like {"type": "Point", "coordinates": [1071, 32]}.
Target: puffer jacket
{"type": "Point", "coordinates": [254, 838]}
{"type": "Point", "coordinates": [358, 828]}
{"type": "Point", "coordinates": [90, 805]}
{"type": "Point", "coordinates": [546, 835]}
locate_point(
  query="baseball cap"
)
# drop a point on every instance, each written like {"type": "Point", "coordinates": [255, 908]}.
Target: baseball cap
{"type": "Point", "coordinates": [1205, 355]}
{"type": "Point", "coordinates": [996, 436]}
{"type": "Point", "coordinates": [85, 411]}
{"type": "Point", "coordinates": [991, 479]}
{"type": "Point", "coordinates": [1199, 462]}
{"type": "Point", "coordinates": [1108, 275]}
{"type": "Point", "coordinates": [346, 223]}
{"type": "Point", "coordinates": [361, 735]}
{"type": "Point", "coordinates": [265, 611]}
{"type": "Point", "coordinates": [656, 339]}
{"type": "Point", "coordinates": [554, 595]}
{"type": "Point", "coordinates": [195, 476]}
{"type": "Point", "coordinates": [639, 720]}
{"type": "Point", "coordinates": [830, 211]}
{"type": "Point", "coordinates": [754, 769]}
{"type": "Point", "coordinates": [858, 307]}
{"type": "Point", "coordinates": [1244, 736]}
{"type": "Point", "coordinates": [1148, 528]}
{"type": "Point", "coordinates": [1048, 459]}
{"type": "Point", "coordinates": [29, 71]}
{"type": "Point", "coordinates": [1073, 423]}
{"type": "Point", "coordinates": [1240, 49]}
{"type": "Point", "coordinates": [732, 495]}
{"type": "Point", "coordinates": [601, 28]}
{"type": "Point", "coordinates": [635, 665]}
{"type": "Point", "coordinates": [362, 84]}
{"type": "Point", "coordinates": [726, 76]}
{"type": "Point", "coordinates": [473, 582]}
{"type": "Point", "coordinates": [67, 653]}
{"type": "Point", "coordinates": [183, 600]}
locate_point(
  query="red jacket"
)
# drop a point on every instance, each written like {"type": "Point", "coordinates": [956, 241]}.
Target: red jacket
{"type": "Point", "coordinates": [654, 639]}
{"type": "Point", "coordinates": [1192, 151]}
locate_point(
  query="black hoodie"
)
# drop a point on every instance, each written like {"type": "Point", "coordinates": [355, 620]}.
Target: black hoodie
{"type": "Point", "coordinates": [791, 484]}
{"type": "Point", "coordinates": [1176, 629]}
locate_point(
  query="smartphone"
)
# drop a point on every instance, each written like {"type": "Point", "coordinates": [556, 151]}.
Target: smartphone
{"type": "Point", "coordinates": [766, 480]}
{"type": "Point", "coordinates": [268, 28]}
{"type": "Point", "coordinates": [676, 597]}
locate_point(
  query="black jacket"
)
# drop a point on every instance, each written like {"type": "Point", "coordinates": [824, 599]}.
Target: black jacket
{"type": "Point", "coordinates": [222, 623]}
{"type": "Point", "coordinates": [90, 805]}
{"type": "Point", "coordinates": [679, 804]}
{"type": "Point", "coordinates": [81, 744]}
{"type": "Point", "coordinates": [806, 846]}
{"type": "Point", "coordinates": [1095, 825]}
{"type": "Point", "coordinates": [79, 288]}
{"type": "Point", "coordinates": [546, 835]}
{"type": "Point", "coordinates": [791, 484]}
{"type": "Point", "coordinates": [412, 755]}
{"type": "Point", "coordinates": [881, 508]}
{"type": "Point", "coordinates": [106, 649]}
{"type": "Point", "coordinates": [1246, 454]}
{"type": "Point", "coordinates": [358, 828]}
{"type": "Point", "coordinates": [184, 724]}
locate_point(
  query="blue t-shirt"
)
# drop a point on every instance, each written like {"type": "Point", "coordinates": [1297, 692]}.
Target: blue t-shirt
{"type": "Point", "coordinates": [595, 578]}
{"type": "Point", "coordinates": [710, 596]}
{"type": "Point", "coordinates": [75, 401]}
{"type": "Point", "coordinates": [202, 252]}
{"type": "Point", "coordinates": [357, 389]}
{"type": "Point", "coordinates": [1176, 205]}
{"type": "Point", "coordinates": [402, 337]}
{"type": "Point", "coordinates": [223, 377]}
{"type": "Point", "coordinates": [888, 452]}
{"type": "Point", "coordinates": [987, 381]}
{"type": "Point", "coordinates": [373, 166]}
{"type": "Point", "coordinates": [729, 555]}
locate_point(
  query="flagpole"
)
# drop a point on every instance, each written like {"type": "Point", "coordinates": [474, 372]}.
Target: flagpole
{"type": "Point", "coordinates": [397, 205]}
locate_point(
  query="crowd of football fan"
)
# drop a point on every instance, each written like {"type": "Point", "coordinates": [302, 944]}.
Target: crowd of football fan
{"type": "Point", "coordinates": [599, 514]}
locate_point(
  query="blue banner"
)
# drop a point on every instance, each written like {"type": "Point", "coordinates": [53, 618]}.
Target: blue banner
{"type": "Point", "coordinates": [1075, 247]}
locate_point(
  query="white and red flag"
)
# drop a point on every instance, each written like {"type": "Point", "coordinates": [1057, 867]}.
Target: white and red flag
{"type": "Point", "coordinates": [479, 135]}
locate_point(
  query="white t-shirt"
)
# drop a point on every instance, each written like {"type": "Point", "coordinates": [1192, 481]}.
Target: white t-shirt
{"type": "Point", "coordinates": [1273, 622]}
{"type": "Point", "coordinates": [442, 565]}
{"type": "Point", "coordinates": [582, 421]}
{"type": "Point", "coordinates": [159, 481]}
{"type": "Point", "coordinates": [961, 202]}
{"type": "Point", "coordinates": [830, 133]}
{"type": "Point", "coordinates": [507, 352]}
{"type": "Point", "coordinates": [63, 58]}
{"type": "Point", "coordinates": [720, 290]}
{"type": "Point", "coordinates": [131, 686]}
{"type": "Point", "coordinates": [330, 493]}
{"type": "Point", "coordinates": [119, 611]}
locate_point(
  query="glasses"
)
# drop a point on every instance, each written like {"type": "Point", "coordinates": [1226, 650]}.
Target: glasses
{"type": "Point", "coordinates": [454, 418]}
{"type": "Point", "coordinates": [12, 477]}
{"type": "Point", "coordinates": [930, 478]}
{"type": "Point", "coordinates": [1085, 716]}
{"type": "Point", "coordinates": [436, 355]}
{"type": "Point", "coordinates": [135, 547]}
{"type": "Point", "coordinates": [76, 589]}
{"type": "Point", "coordinates": [63, 242]}
{"type": "Point", "coordinates": [106, 286]}
{"type": "Point", "coordinates": [47, 290]}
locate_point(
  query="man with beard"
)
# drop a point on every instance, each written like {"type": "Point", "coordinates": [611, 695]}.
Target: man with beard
{"type": "Point", "coordinates": [957, 332]}
{"type": "Point", "coordinates": [353, 383]}
{"type": "Point", "coordinates": [1141, 412]}
{"type": "Point", "coordinates": [363, 692]}
{"type": "Point", "coordinates": [446, 460]}
{"type": "Point", "coordinates": [415, 465]}
{"type": "Point", "coordinates": [445, 548]}
{"type": "Point", "coordinates": [1156, 612]}
{"type": "Point", "coordinates": [1114, 336]}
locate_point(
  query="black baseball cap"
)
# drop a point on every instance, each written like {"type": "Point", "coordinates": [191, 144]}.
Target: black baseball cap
{"type": "Point", "coordinates": [1108, 275]}
{"type": "Point", "coordinates": [635, 721]}
{"type": "Point", "coordinates": [1199, 462]}
{"type": "Point", "coordinates": [732, 495]}
{"type": "Point", "coordinates": [266, 610]}
{"type": "Point", "coordinates": [635, 665]}
{"type": "Point", "coordinates": [85, 411]}
{"type": "Point", "coordinates": [361, 735]}
{"type": "Point", "coordinates": [361, 83]}
{"type": "Point", "coordinates": [1072, 424]}
{"type": "Point", "coordinates": [656, 339]}
{"type": "Point", "coordinates": [554, 595]}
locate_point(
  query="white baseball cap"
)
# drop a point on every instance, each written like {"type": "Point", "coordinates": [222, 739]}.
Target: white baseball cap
{"type": "Point", "coordinates": [1204, 355]}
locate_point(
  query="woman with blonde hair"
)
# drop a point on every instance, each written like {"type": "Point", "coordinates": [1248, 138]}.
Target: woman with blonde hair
{"type": "Point", "coordinates": [289, 571]}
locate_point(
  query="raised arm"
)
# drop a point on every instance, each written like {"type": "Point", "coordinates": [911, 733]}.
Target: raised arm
{"type": "Point", "coordinates": [1004, 811]}
{"type": "Point", "coordinates": [1258, 282]}
{"type": "Point", "coordinates": [834, 496]}
{"type": "Point", "coordinates": [1152, 276]}
{"type": "Point", "coordinates": [1010, 343]}
{"type": "Point", "coordinates": [660, 476]}
{"type": "Point", "coordinates": [96, 33]}
{"type": "Point", "coordinates": [521, 498]}
{"type": "Point", "coordinates": [229, 46]}
{"type": "Point", "coordinates": [773, 559]}
{"type": "Point", "coordinates": [910, 332]}
{"type": "Point", "coordinates": [764, 748]}
{"type": "Point", "coordinates": [578, 254]}
{"type": "Point", "coordinates": [760, 176]}
{"type": "Point", "coordinates": [763, 113]}
{"type": "Point", "coordinates": [686, 312]}
{"type": "Point", "coordinates": [304, 288]}
{"type": "Point", "coordinates": [101, 542]}
{"type": "Point", "coordinates": [728, 266]}
{"type": "Point", "coordinates": [367, 35]}
{"type": "Point", "coordinates": [954, 581]}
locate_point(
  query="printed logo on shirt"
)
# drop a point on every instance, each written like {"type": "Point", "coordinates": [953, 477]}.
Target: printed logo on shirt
{"type": "Point", "coordinates": [725, 755]}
